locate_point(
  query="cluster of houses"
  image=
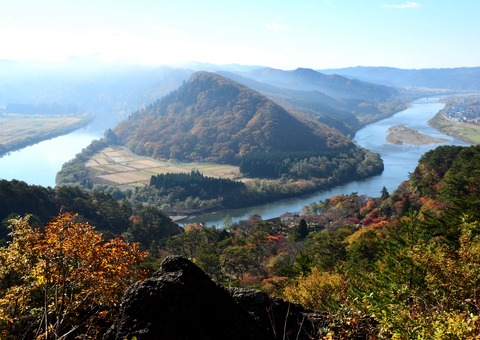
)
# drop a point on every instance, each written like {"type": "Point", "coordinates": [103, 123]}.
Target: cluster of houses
{"type": "Point", "coordinates": [463, 109]}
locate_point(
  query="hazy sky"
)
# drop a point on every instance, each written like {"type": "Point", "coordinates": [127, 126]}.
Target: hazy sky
{"type": "Point", "coordinates": [283, 34]}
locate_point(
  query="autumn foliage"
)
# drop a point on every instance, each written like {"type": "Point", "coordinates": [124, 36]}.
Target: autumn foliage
{"type": "Point", "coordinates": [63, 279]}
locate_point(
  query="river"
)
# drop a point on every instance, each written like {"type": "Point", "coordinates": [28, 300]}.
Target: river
{"type": "Point", "coordinates": [399, 160]}
{"type": "Point", "coordinates": [38, 164]}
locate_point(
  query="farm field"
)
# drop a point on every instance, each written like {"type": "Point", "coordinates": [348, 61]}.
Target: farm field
{"type": "Point", "coordinates": [17, 130]}
{"type": "Point", "coordinates": [119, 166]}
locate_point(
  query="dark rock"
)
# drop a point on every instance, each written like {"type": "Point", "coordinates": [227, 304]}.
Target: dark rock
{"type": "Point", "coordinates": [181, 302]}
{"type": "Point", "coordinates": [284, 319]}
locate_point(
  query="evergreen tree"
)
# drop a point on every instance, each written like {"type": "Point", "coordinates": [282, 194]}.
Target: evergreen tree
{"type": "Point", "coordinates": [384, 193]}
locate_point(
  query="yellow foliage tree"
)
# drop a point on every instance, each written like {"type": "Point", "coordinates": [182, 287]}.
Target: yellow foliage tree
{"type": "Point", "coordinates": [318, 290]}
{"type": "Point", "coordinates": [63, 279]}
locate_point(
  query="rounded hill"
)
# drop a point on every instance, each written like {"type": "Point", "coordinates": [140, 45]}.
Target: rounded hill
{"type": "Point", "coordinates": [213, 118]}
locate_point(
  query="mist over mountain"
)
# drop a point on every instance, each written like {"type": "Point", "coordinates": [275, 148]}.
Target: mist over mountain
{"type": "Point", "coordinates": [331, 85]}
{"type": "Point", "coordinates": [217, 119]}
{"type": "Point", "coordinates": [110, 91]}
{"type": "Point", "coordinates": [463, 78]}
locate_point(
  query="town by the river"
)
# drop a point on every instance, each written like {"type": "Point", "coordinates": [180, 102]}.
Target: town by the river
{"type": "Point", "coordinates": [39, 163]}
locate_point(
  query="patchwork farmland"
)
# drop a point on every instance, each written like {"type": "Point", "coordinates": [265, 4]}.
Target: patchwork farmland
{"type": "Point", "coordinates": [119, 166]}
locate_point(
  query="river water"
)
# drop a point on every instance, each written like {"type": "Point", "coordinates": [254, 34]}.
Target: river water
{"type": "Point", "coordinates": [399, 160]}
{"type": "Point", "coordinates": [38, 164]}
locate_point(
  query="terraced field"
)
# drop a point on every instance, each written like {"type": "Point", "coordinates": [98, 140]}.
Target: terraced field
{"type": "Point", "coordinates": [120, 166]}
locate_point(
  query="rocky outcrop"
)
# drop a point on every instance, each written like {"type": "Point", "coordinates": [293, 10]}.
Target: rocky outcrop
{"type": "Point", "coordinates": [283, 319]}
{"type": "Point", "coordinates": [180, 301]}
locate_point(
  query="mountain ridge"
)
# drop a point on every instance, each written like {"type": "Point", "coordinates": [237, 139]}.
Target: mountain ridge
{"type": "Point", "coordinates": [333, 85]}
{"type": "Point", "coordinates": [460, 78]}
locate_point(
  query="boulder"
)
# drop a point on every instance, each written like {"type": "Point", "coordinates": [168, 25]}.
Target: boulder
{"type": "Point", "coordinates": [180, 301]}
{"type": "Point", "coordinates": [283, 319]}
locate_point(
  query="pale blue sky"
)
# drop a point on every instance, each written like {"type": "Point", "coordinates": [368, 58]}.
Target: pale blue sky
{"type": "Point", "coordinates": [283, 34]}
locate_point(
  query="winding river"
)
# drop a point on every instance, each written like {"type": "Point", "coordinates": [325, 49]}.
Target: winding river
{"type": "Point", "coordinates": [399, 160]}
{"type": "Point", "coordinates": [39, 163]}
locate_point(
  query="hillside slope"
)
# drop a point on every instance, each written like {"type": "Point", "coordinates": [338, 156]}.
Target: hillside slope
{"type": "Point", "coordinates": [212, 118]}
{"type": "Point", "coordinates": [336, 113]}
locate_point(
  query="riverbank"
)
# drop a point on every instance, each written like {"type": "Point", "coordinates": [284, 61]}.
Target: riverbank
{"type": "Point", "coordinates": [20, 130]}
{"type": "Point", "coordinates": [466, 132]}
{"type": "Point", "coordinates": [402, 135]}
{"type": "Point", "coordinates": [38, 164]}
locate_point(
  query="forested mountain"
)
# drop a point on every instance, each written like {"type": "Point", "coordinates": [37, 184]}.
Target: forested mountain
{"type": "Point", "coordinates": [462, 78]}
{"type": "Point", "coordinates": [342, 103]}
{"type": "Point", "coordinates": [112, 91]}
{"type": "Point", "coordinates": [337, 113]}
{"type": "Point", "coordinates": [404, 265]}
{"type": "Point", "coordinates": [212, 118]}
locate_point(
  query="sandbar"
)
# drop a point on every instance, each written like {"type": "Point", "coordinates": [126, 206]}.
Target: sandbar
{"type": "Point", "coordinates": [403, 135]}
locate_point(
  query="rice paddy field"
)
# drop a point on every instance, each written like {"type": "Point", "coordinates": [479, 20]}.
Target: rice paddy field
{"type": "Point", "coordinates": [119, 166]}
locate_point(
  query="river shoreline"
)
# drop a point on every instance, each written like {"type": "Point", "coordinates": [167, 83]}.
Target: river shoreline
{"type": "Point", "coordinates": [399, 160]}
{"type": "Point", "coordinates": [32, 137]}
{"type": "Point", "coordinates": [468, 133]}
{"type": "Point", "coordinates": [39, 164]}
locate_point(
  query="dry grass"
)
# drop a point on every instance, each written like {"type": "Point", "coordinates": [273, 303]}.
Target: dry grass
{"type": "Point", "coordinates": [120, 166]}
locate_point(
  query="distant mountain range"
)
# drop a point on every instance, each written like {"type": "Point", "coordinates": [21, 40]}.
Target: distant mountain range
{"type": "Point", "coordinates": [213, 118]}
{"type": "Point", "coordinates": [463, 78]}
{"type": "Point", "coordinates": [345, 99]}
{"type": "Point", "coordinates": [305, 90]}
{"type": "Point", "coordinates": [329, 84]}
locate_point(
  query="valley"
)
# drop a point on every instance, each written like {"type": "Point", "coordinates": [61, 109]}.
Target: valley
{"type": "Point", "coordinates": [242, 170]}
{"type": "Point", "coordinates": [209, 132]}
{"type": "Point", "coordinates": [309, 191]}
